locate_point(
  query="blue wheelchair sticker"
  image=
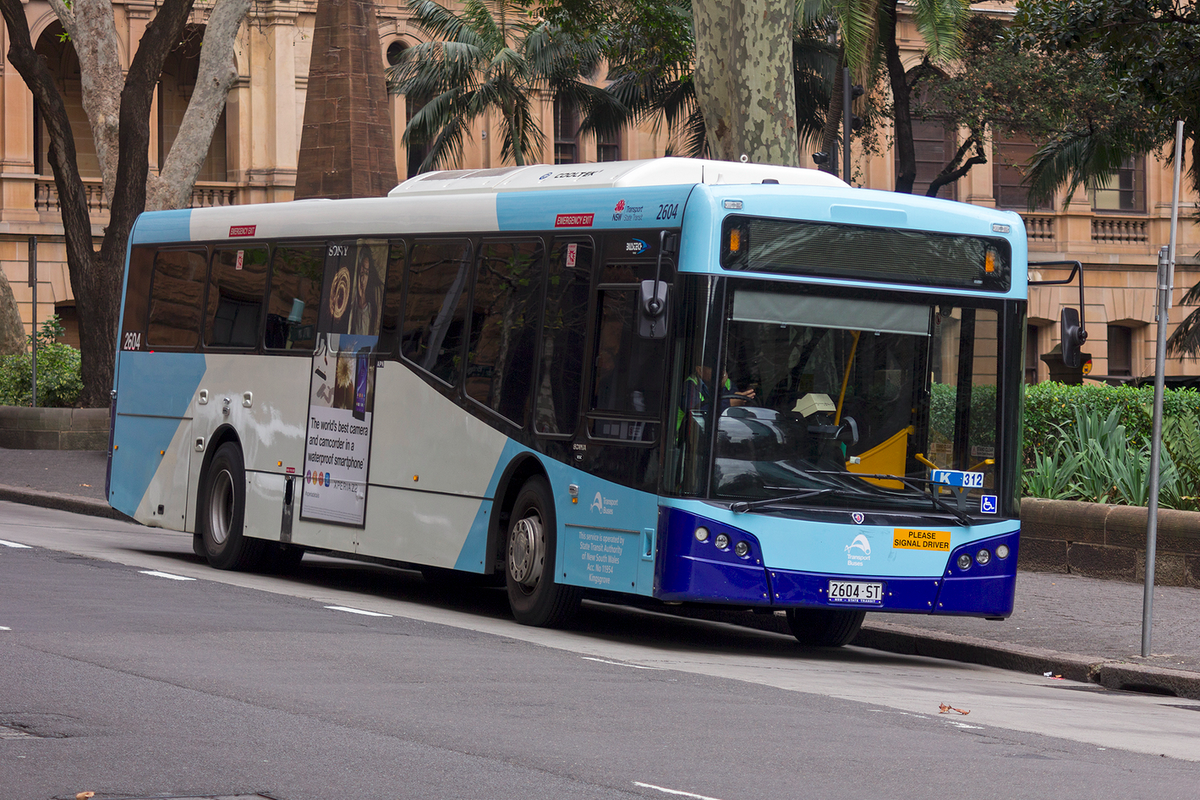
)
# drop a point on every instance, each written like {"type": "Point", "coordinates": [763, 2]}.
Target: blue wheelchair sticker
{"type": "Point", "coordinates": [987, 504]}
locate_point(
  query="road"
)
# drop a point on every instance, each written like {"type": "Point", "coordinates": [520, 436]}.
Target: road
{"type": "Point", "coordinates": [120, 676]}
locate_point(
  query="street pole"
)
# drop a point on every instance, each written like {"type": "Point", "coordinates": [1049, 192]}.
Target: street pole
{"type": "Point", "coordinates": [1166, 280]}
{"type": "Point", "coordinates": [33, 285]}
{"type": "Point", "coordinates": [846, 124]}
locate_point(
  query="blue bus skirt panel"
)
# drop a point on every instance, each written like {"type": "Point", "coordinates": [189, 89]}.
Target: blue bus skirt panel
{"type": "Point", "coordinates": [691, 570]}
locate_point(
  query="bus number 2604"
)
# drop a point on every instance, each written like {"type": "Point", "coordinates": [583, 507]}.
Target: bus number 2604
{"type": "Point", "coordinates": [668, 211]}
{"type": "Point", "coordinates": [132, 341]}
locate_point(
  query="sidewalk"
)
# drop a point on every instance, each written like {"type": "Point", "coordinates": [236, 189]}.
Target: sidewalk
{"type": "Point", "coordinates": [1079, 628]}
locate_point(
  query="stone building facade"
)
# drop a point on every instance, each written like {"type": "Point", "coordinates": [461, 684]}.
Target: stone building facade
{"type": "Point", "coordinates": [1115, 230]}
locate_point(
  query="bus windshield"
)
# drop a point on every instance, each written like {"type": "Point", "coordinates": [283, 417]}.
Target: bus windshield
{"type": "Point", "coordinates": [829, 398]}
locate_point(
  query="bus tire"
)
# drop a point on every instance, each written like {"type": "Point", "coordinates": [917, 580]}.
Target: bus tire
{"type": "Point", "coordinates": [822, 627]}
{"type": "Point", "coordinates": [223, 512]}
{"type": "Point", "coordinates": [534, 596]}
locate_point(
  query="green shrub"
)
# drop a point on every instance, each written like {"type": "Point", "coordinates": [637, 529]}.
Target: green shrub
{"type": "Point", "coordinates": [59, 383]}
{"type": "Point", "coordinates": [1098, 438]}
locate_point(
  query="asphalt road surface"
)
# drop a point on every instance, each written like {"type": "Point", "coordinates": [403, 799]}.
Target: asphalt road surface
{"type": "Point", "coordinates": [130, 669]}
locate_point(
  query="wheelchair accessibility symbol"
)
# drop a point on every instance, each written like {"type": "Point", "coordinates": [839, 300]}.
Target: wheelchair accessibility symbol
{"type": "Point", "coordinates": [987, 504]}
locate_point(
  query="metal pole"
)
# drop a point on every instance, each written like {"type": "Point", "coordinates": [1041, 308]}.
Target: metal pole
{"type": "Point", "coordinates": [1162, 298]}
{"type": "Point", "coordinates": [846, 124]}
{"type": "Point", "coordinates": [1166, 280]}
{"type": "Point", "coordinates": [33, 285]}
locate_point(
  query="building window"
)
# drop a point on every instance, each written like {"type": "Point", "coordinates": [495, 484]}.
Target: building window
{"type": "Point", "coordinates": [566, 131]}
{"type": "Point", "coordinates": [1120, 351]}
{"type": "Point", "coordinates": [1123, 190]}
{"type": "Point", "coordinates": [608, 147]}
{"type": "Point", "coordinates": [1010, 156]}
{"type": "Point", "coordinates": [1032, 352]}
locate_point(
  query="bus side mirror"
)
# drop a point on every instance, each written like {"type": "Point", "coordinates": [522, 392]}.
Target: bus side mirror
{"type": "Point", "coordinates": [652, 310]}
{"type": "Point", "coordinates": [1073, 336]}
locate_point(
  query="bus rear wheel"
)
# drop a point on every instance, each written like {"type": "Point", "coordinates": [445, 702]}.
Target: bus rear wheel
{"type": "Point", "coordinates": [534, 596]}
{"type": "Point", "coordinates": [223, 510]}
{"type": "Point", "coordinates": [821, 627]}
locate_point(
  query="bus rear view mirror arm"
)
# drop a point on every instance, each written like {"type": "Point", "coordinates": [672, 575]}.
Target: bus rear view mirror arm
{"type": "Point", "coordinates": [1071, 325]}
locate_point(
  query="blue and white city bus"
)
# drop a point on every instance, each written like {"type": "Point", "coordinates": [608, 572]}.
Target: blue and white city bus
{"type": "Point", "coordinates": [693, 381]}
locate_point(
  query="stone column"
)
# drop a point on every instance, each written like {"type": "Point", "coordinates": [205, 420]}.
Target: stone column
{"type": "Point", "coordinates": [346, 144]}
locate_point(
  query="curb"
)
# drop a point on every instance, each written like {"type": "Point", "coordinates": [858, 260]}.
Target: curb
{"type": "Point", "coordinates": [885, 636]}
{"type": "Point", "coordinates": [62, 502]}
{"type": "Point", "coordinates": [1121, 675]}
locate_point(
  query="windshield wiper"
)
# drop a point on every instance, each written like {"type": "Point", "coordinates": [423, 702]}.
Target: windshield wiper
{"type": "Point", "coordinates": [912, 483]}
{"type": "Point", "coordinates": [743, 506]}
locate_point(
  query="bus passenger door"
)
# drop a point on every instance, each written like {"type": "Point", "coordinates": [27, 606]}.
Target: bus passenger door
{"type": "Point", "coordinates": [610, 532]}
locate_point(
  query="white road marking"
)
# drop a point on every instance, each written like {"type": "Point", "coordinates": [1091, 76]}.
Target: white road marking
{"type": "Point", "coordinates": [15, 545]}
{"type": "Point", "coordinates": [620, 663]}
{"type": "Point", "coordinates": [673, 791]}
{"type": "Point", "coordinates": [156, 574]}
{"type": "Point", "coordinates": [349, 610]}
{"type": "Point", "coordinates": [2, 628]}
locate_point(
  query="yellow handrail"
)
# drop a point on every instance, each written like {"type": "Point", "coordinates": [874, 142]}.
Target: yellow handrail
{"type": "Point", "coordinates": [837, 417]}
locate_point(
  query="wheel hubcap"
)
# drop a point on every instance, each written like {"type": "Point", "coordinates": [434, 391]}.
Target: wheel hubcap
{"type": "Point", "coordinates": [220, 507]}
{"type": "Point", "coordinates": [526, 552]}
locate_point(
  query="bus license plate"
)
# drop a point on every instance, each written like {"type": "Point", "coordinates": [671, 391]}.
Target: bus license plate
{"type": "Point", "coordinates": [855, 592]}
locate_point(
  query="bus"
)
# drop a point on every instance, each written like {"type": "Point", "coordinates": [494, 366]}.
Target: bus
{"type": "Point", "coordinates": [674, 380]}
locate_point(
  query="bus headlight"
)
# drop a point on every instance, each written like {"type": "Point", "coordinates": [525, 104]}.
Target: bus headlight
{"type": "Point", "coordinates": [1001, 551]}
{"type": "Point", "coordinates": [742, 549]}
{"type": "Point", "coordinates": [702, 534]}
{"type": "Point", "coordinates": [964, 562]}
{"type": "Point", "coordinates": [722, 541]}
{"type": "Point", "coordinates": [983, 557]}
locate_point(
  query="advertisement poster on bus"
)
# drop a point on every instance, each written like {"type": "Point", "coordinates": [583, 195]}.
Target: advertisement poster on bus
{"type": "Point", "coordinates": [342, 395]}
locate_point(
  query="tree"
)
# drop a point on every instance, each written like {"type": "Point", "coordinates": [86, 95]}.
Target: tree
{"type": "Point", "coordinates": [650, 56]}
{"type": "Point", "coordinates": [1148, 51]}
{"type": "Point", "coordinates": [491, 57]}
{"type": "Point", "coordinates": [118, 109]}
{"type": "Point", "coordinates": [744, 79]}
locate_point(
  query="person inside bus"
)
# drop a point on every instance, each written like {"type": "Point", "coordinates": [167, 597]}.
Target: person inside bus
{"type": "Point", "coordinates": [698, 391]}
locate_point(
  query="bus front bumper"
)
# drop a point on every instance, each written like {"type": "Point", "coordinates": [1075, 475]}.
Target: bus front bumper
{"type": "Point", "coordinates": [688, 569]}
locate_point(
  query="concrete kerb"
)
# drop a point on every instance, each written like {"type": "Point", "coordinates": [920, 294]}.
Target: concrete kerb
{"type": "Point", "coordinates": [1121, 675]}
{"type": "Point", "coordinates": [885, 636]}
{"type": "Point", "coordinates": [62, 502]}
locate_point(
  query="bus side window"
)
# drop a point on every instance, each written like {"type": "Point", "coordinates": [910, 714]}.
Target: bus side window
{"type": "Point", "coordinates": [503, 341]}
{"type": "Point", "coordinates": [237, 283]}
{"type": "Point", "coordinates": [137, 298]}
{"type": "Point", "coordinates": [389, 331]}
{"type": "Point", "coordinates": [435, 307]}
{"type": "Point", "coordinates": [628, 369]}
{"type": "Point", "coordinates": [297, 272]}
{"type": "Point", "coordinates": [176, 296]}
{"type": "Point", "coordinates": [556, 403]}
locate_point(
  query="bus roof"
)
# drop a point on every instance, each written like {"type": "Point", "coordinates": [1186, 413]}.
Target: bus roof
{"type": "Point", "coordinates": [609, 175]}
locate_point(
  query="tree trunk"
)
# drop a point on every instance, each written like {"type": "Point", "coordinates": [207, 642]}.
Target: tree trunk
{"type": "Point", "coordinates": [744, 80]}
{"type": "Point", "coordinates": [96, 277]}
{"type": "Point", "coordinates": [906, 154]}
{"type": "Point", "coordinates": [172, 188]}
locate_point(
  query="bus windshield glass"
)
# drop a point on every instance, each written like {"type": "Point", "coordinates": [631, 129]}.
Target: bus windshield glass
{"type": "Point", "coordinates": [861, 398]}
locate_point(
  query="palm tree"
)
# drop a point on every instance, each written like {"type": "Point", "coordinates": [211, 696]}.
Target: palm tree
{"type": "Point", "coordinates": [492, 56]}
{"type": "Point", "coordinates": [868, 38]}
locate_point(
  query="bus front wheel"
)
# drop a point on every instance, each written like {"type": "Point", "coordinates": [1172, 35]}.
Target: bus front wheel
{"type": "Point", "coordinates": [820, 627]}
{"type": "Point", "coordinates": [223, 510]}
{"type": "Point", "coordinates": [535, 597]}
